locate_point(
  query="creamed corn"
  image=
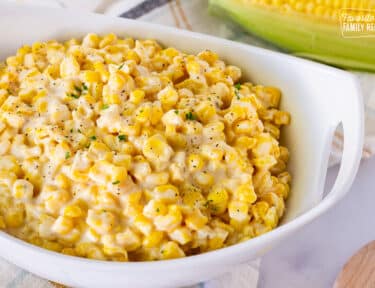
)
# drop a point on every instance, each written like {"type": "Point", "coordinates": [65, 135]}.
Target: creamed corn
{"type": "Point", "coordinates": [119, 149]}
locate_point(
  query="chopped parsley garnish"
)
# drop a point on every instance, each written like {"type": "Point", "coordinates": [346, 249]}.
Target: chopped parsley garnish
{"type": "Point", "coordinates": [176, 111]}
{"type": "Point", "coordinates": [79, 90]}
{"type": "Point", "coordinates": [79, 131]}
{"type": "Point", "coordinates": [236, 90]}
{"type": "Point", "coordinates": [67, 155]}
{"type": "Point", "coordinates": [120, 67]}
{"type": "Point", "coordinates": [122, 137]}
{"type": "Point", "coordinates": [71, 130]}
{"type": "Point", "coordinates": [116, 182]}
{"type": "Point", "coordinates": [93, 137]}
{"type": "Point", "coordinates": [105, 107]}
{"type": "Point", "coordinates": [75, 96]}
{"type": "Point", "coordinates": [237, 94]}
{"type": "Point", "coordinates": [190, 116]}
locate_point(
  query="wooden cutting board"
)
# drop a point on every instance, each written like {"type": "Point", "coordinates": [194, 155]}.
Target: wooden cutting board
{"type": "Point", "coordinates": [57, 285]}
{"type": "Point", "coordinates": [359, 271]}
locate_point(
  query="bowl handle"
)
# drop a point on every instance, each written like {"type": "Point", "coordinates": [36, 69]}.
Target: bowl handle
{"type": "Point", "coordinates": [351, 115]}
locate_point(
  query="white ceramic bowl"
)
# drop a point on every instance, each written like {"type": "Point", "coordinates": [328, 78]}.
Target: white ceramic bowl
{"type": "Point", "coordinates": [317, 96]}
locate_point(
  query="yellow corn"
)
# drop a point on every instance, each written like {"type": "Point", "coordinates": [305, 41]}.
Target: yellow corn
{"type": "Point", "coordinates": [245, 193]}
{"type": "Point", "coordinates": [195, 162]}
{"type": "Point", "coordinates": [168, 98]}
{"type": "Point", "coordinates": [107, 40]}
{"type": "Point", "coordinates": [217, 200]}
{"type": "Point", "coordinates": [73, 211]}
{"type": "Point", "coordinates": [69, 67]}
{"type": "Point", "coordinates": [181, 235]}
{"type": "Point", "coordinates": [135, 141]}
{"type": "Point", "coordinates": [153, 239]}
{"type": "Point", "coordinates": [92, 77]}
{"type": "Point", "coordinates": [171, 250]}
{"type": "Point", "coordinates": [137, 96]}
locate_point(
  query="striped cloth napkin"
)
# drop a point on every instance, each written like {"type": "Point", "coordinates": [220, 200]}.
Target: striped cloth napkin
{"type": "Point", "coordinates": [190, 15]}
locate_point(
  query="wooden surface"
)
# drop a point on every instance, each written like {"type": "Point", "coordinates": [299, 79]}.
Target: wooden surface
{"type": "Point", "coordinates": [57, 285]}
{"type": "Point", "coordinates": [359, 271]}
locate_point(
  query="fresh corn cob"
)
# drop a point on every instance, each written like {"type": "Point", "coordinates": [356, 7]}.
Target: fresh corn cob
{"type": "Point", "coordinates": [306, 28]}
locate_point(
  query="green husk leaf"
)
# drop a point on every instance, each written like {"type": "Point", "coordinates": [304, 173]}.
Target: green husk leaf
{"type": "Point", "coordinates": [302, 35]}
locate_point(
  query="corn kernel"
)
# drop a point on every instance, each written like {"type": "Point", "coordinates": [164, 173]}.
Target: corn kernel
{"type": "Point", "coordinates": [246, 193]}
{"type": "Point", "coordinates": [155, 208]}
{"type": "Point", "coordinates": [282, 118]}
{"type": "Point", "coordinates": [136, 96]}
{"type": "Point", "coordinates": [212, 153]}
{"type": "Point", "coordinates": [274, 96]}
{"type": "Point", "coordinates": [168, 98]}
{"type": "Point", "coordinates": [235, 113]}
{"type": "Point", "coordinates": [170, 52]}
{"type": "Point", "coordinates": [271, 218]}
{"type": "Point", "coordinates": [69, 67]}
{"type": "Point", "coordinates": [53, 246]}
{"type": "Point", "coordinates": [23, 190]}
{"type": "Point", "coordinates": [203, 178]}
{"type": "Point", "coordinates": [196, 220]}
{"type": "Point", "coordinates": [166, 193]}
{"type": "Point", "coordinates": [259, 209]}
{"type": "Point", "coordinates": [208, 56]}
{"type": "Point", "coordinates": [129, 240]}
{"type": "Point", "coordinates": [169, 221]}
{"type": "Point", "coordinates": [91, 76]}
{"type": "Point", "coordinates": [73, 211]}
{"type": "Point", "coordinates": [63, 225]}
{"type": "Point", "coordinates": [265, 161]}
{"type": "Point", "coordinates": [108, 40]}
{"type": "Point", "coordinates": [143, 224]}
{"type": "Point", "coordinates": [195, 162]}
{"type": "Point", "coordinates": [68, 251]}
{"type": "Point", "coordinates": [132, 55]}
{"type": "Point", "coordinates": [193, 197]}
{"type": "Point", "coordinates": [101, 221]}
{"type": "Point", "coordinates": [153, 239]}
{"type": "Point", "coordinates": [14, 218]}
{"type": "Point", "coordinates": [91, 40]}
{"type": "Point", "coordinates": [143, 114]}
{"type": "Point", "coordinates": [205, 111]}
{"type": "Point", "coordinates": [238, 210]}
{"type": "Point", "coordinates": [193, 68]}
{"type": "Point", "coordinates": [217, 200]}
{"type": "Point", "coordinates": [181, 235]}
{"type": "Point", "coordinates": [233, 72]}
{"type": "Point", "coordinates": [89, 250]}
{"type": "Point", "coordinates": [171, 250]}
{"type": "Point", "coordinates": [101, 68]}
{"type": "Point", "coordinates": [157, 148]}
